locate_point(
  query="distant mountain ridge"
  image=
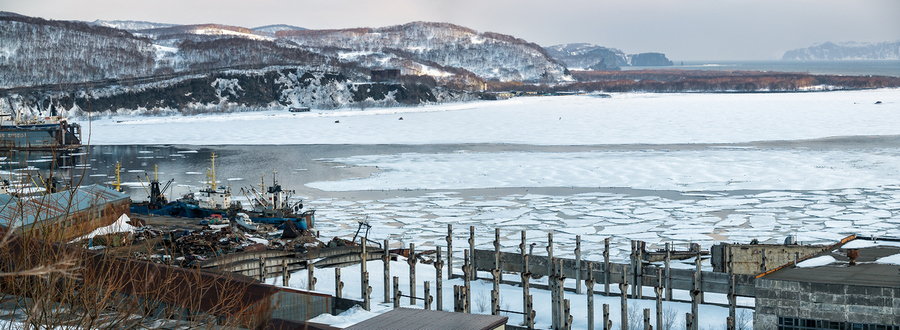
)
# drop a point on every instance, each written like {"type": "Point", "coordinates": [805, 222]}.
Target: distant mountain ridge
{"type": "Point", "coordinates": [131, 26]}
{"type": "Point", "coordinates": [274, 28]}
{"type": "Point", "coordinates": [830, 51]}
{"type": "Point", "coordinates": [584, 56]}
{"type": "Point", "coordinates": [435, 47]}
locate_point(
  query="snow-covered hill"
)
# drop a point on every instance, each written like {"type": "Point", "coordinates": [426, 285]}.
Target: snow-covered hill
{"type": "Point", "coordinates": [272, 29]}
{"type": "Point", "coordinates": [488, 55]}
{"type": "Point", "coordinates": [131, 25]}
{"type": "Point", "coordinates": [583, 56]}
{"type": "Point", "coordinates": [846, 51]}
{"type": "Point", "coordinates": [36, 51]}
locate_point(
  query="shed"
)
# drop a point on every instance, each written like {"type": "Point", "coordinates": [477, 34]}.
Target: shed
{"type": "Point", "coordinates": [408, 318]}
{"type": "Point", "coordinates": [65, 214]}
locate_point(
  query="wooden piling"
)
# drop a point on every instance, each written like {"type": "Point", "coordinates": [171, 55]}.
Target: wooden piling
{"type": "Point", "coordinates": [495, 292]}
{"type": "Point", "coordinates": [262, 269]}
{"type": "Point", "coordinates": [285, 274]}
{"type": "Point", "coordinates": [623, 290]}
{"type": "Point", "coordinates": [428, 298]}
{"type": "Point", "coordinates": [473, 274]}
{"type": "Point", "coordinates": [310, 275]}
{"type": "Point", "coordinates": [364, 257]}
{"type": "Point", "coordinates": [467, 279]}
{"type": "Point", "coordinates": [607, 323]}
{"type": "Point", "coordinates": [367, 293]}
{"type": "Point", "coordinates": [496, 275]}
{"type": "Point", "coordinates": [589, 283]}
{"type": "Point", "coordinates": [338, 285]}
{"type": "Point", "coordinates": [668, 272]}
{"type": "Point", "coordinates": [449, 251]}
{"type": "Point", "coordinates": [695, 300]}
{"type": "Point", "coordinates": [659, 300]}
{"type": "Point", "coordinates": [397, 292]}
{"type": "Point", "coordinates": [439, 279]}
{"type": "Point", "coordinates": [732, 302]}
{"type": "Point", "coordinates": [606, 270]}
{"type": "Point", "coordinates": [526, 296]}
{"type": "Point", "coordinates": [412, 260]}
{"type": "Point", "coordinates": [497, 251]}
{"type": "Point", "coordinates": [647, 325]}
{"type": "Point", "coordinates": [700, 277]}
{"type": "Point", "coordinates": [577, 264]}
{"type": "Point", "coordinates": [551, 283]}
{"type": "Point", "coordinates": [386, 261]}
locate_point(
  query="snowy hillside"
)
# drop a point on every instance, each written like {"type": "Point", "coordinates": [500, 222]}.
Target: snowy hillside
{"type": "Point", "coordinates": [272, 29]}
{"type": "Point", "coordinates": [488, 55]}
{"type": "Point", "coordinates": [35, 51]}
{"type": "Point", "coordinates": [846, 51]}
{"type": "Point", "coordinates": [131, 25]}
{"type": "Point", "coordinates": [583, 56]}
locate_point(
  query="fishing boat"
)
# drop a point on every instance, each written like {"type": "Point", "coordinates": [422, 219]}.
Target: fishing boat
{"type": "Point", "coordinates": [41, 134]}
{"type": "Point", "coordinates": [275, 205]}
{"type": "Point", "coordinates": [213, 199]}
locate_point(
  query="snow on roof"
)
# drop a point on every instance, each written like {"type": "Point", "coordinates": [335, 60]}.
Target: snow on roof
{"type": "Point", "coordinates": [16, 212]}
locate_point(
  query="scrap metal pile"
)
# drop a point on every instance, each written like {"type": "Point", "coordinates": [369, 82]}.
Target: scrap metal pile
{"type": "Point", "coordinates": [187, 248]}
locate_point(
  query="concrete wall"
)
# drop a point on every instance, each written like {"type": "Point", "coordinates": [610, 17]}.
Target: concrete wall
{"type": "Point", "coordinates": [748, 258]}
{"type": "Point", "coordinates": [821, 301]}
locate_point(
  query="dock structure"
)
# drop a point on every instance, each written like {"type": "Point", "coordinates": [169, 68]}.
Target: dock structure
{"type": "Point", "coordinates": [839, 288]}
{"type": "Point", "coordinates": [66, 214]}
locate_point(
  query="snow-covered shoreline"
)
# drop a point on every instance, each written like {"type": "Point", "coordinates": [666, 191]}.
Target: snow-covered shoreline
{"type": "Point", "coordinates": [628, 118]}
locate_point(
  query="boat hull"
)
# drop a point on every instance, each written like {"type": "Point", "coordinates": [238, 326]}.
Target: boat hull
{"type": "Point", "coordinates": [40, 137]}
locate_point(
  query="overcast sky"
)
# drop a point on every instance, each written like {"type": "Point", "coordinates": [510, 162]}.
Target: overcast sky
{"type": "Point", "coordinates": [682, 29]}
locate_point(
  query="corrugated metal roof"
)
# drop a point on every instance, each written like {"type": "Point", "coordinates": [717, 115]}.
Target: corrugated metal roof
{"type": "Point", "coordinates": [408, 318]}
{"type": "Point", "coordinates": [16, 212]}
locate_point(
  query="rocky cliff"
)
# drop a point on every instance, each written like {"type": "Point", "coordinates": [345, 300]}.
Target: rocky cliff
{"type": "Point", "coordinates": [830, 51]}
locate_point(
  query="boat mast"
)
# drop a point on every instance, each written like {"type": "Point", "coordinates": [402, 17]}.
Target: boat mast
{"type": "Point", "coordinates": [211, 174]}
{"type": "Point", "coordinates": [118, 184]}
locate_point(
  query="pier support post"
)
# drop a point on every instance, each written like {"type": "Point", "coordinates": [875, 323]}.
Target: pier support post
{"type": "Point", "coordinates": [496, 275]}
{"type": "Point", "coordinates": [577, 264]}
{"type": "Point", "coordinates": [607, 323]}
{"type": "Point", "coordinates": [606, 270]}
{"type": "Point", "coordinates": [367, 293]}
{"type": "Point", "coordinates": [310, 274]}
{"type": "Point", "coordinates": [338, 285]}
{"type": "Point", "coordinates": [647, 325]}
{"type": "Point", "coordinates": [397, 292]}
{"type": "Point", "coordinates": [659, 299]}
{"type": "Point", "coordinates": [449, 251]}
{"type": "Point", "coordinates": [428, 298]}
{"type": "Point", "coordinates": [497, 251]}
{"type": "Point", "coordinates": [589, 283]}
{"type": "Point", "coordinates": [526, 296]}
{"type": "Point", "coordinates": [262, 269]}
{"type": "Point", "coordinates": [732, 303]}
{"type": "Point", "coordinates": [623, 290]}
{"type": "Point", "coordinates": [386, 261]}
{"type": "Point", "coordinates": [695, 301]}
{"type": "Point", "coordinates": [439, 279]}
{"type": "Point", "coordinates": [495, 292]}
{"type": "Point", "coordinates": [668, 272]}
{"type": "Point", "coordinates": [412, 260]}
{"type": "Point", "coordinates": [285, 274]}
{"type": "Point", "coordinates": [473, 273]}
{"type": "Point", "coordinates": [699, 276]}
{"type": "Point", "coordinates": [467, 280]}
